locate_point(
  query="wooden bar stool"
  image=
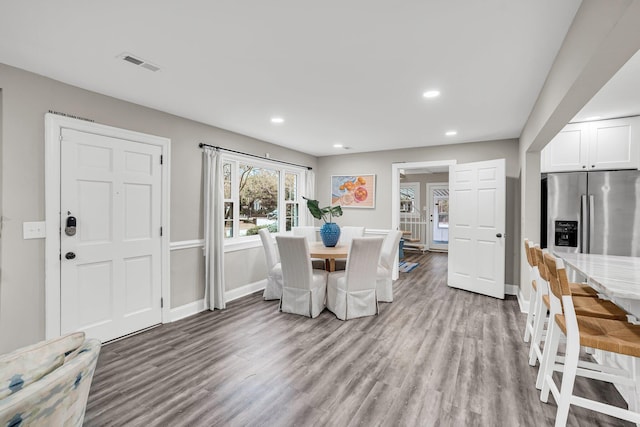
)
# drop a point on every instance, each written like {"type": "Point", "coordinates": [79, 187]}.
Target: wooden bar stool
{"type": "Point", "coordinates": [603, 334]}
{"type": "Point", "coordinates": [586, 303]}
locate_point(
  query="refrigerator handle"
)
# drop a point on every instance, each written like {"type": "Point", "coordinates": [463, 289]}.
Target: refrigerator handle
{"type": "Point", "coordinates": [583, 224]}
{"type": "Point", "coordinates": [591, 219]}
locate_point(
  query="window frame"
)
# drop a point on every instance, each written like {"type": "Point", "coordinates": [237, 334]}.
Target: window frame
{"type": "Point", "coordinates": [238, 242]}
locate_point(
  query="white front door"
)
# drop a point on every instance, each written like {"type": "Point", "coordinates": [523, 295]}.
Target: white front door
{"type": "Point", "coordinates": [438, 234]}
{"type": "Point", "coordinates": [110, 270]}
{"type": "Point", "coordinates": [477, 226]}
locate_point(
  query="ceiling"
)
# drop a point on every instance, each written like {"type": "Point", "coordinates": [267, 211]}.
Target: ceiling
{"type": "Point", "coordinates": [349, 72]}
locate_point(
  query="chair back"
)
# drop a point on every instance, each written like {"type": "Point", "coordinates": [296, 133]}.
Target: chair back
{"type": "Point", "coordinates": [270, 250]}
{"type": "Point", "coordinates": [362, 263]}
{"type": "Point", "coordinates": [539, 260]}
{"type": "Point", "coordinates": [347, 233]}
{"type": "Point", "coordinates": [558, 280]}
{"type": "Point", "coordinates": [527, 251]}
{"type": "Point", "coordinates": [58, 395]}
{"type": "Point", "coordinates": [306, 231]}
{"type": "Point", "coordinates": [390, 248]}
{"type": "Point", "coordinates": [295, 261]}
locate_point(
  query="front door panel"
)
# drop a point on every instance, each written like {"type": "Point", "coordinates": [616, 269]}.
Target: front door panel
{"type": "Point", "coordinates": [110, 268]}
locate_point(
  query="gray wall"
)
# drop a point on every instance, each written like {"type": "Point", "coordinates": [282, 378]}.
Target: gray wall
{"type": "Point", "coordinates": [26, 98]}
{"type": "Point", "coordinates": [380, 163]}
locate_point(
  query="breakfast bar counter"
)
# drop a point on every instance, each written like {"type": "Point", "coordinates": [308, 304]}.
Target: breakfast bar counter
{"type": "Point", "coordinates": [614, 276]}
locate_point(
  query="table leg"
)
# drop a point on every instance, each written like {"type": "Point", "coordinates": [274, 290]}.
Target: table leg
{"type": "Point", "coordinates": [331, 264]}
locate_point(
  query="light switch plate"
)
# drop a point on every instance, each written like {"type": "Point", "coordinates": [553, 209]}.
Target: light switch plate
{"type": "Point", "coordinates": [33, 230]}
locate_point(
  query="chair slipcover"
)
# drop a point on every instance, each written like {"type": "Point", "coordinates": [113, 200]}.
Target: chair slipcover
{"type": "Point", "coordinates": [310, 233]}
{"type": "Point", "coordinates": [347, 233]}
{"type": "Point", "coordinates": [273, 290]}
{"type": "Point", "coordinates": [303, 288]}
{"type": "Point", "coordinates": [47, 384]}
{"type": "Point", "coordinates": [388, 254]}
{"type": "Point", "coordinates": [352, 293]}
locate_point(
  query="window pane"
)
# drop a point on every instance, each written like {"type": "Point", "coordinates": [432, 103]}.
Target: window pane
{"type": "Point", "coordinates": [258, 199]}
{"type": "Point", "coordinates": [227, 180]}
{"type": "Point", "coordinates": [291, 220]}
{"type": "Point", "coordinates": [290, 186]}
{"type": "Point", "coordinates": [228, 219]}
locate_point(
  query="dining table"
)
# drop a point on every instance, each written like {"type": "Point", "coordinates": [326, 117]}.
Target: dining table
{"type": "Point", "coordinates": [329, 254]}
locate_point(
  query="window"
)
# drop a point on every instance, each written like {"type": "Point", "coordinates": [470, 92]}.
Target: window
{"type": "Point", "coordinates": [259, 195]}
{"type": "Point", "coordinates": [409, 198]}
{"type": "Point", "coordinates": [442, 204]}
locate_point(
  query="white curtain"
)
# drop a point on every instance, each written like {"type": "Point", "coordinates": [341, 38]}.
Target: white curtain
{"type": "Point", "coordinates": [213, 229]}
{"type": "Point", "coordinates": [309, 193]}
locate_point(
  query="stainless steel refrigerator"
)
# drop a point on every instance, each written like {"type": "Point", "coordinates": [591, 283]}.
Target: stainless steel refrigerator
{"type": "Point", "coordinates": [592, 212]}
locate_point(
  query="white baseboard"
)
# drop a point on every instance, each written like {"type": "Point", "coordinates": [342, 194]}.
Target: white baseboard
{"type": "Point", "coordinates": [523, 303]}
{"type": "Point", "coordinates": [511, 289]}
{"type": "Point", "coordinates": [198, 306]}
{"type": "Point", "coordinates": [187, 310]}
{"type": "Point", "coordinates": [245, 290]}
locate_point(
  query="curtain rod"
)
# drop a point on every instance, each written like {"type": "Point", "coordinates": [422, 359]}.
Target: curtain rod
{"type": "Point", "coordinates": [253, 155]}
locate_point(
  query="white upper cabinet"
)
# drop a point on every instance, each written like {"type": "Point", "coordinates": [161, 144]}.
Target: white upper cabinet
{"type": "Point", "coordinates": [568, 151]}
{"type": "Point", "coordinates": [601, 145]}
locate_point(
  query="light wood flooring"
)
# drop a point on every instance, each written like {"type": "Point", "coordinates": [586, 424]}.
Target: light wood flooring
{"type": "Point", "coordinates": [436, 356]}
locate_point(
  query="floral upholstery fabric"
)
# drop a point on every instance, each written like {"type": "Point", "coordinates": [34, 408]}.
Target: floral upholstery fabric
{"type": "Point", "coordinates": [47, 384]}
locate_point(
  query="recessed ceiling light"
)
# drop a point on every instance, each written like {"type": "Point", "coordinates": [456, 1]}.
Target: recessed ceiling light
{"type": "Point", "coordinates": [277, 120]}
{"type": "Point", "coordinates": [593, 118]}
{"type": "Point", "coordinates": [338, 145]}
{"type": "Point", "coordinates": [451, 133]}
{"type": "Point", "coordinates": [431, 94]}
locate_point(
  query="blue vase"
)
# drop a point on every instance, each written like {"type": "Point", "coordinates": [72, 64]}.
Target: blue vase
{"type": "Point", "coordinates": [330, 233]}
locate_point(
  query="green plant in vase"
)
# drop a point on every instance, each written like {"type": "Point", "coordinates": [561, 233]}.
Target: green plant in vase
{"type": "Point", "coordinates": [330, 231]}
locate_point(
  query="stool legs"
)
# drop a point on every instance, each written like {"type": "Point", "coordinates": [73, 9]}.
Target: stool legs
{"type": "Point", "coordinates": [538, 329]}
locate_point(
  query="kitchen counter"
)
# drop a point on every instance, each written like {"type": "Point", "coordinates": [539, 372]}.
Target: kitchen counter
{"type": "Point", "coordinates": [614, 276]}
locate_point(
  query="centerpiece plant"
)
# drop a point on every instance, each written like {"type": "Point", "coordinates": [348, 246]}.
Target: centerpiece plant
{"type": "Point", "coordinates": [330, 231]}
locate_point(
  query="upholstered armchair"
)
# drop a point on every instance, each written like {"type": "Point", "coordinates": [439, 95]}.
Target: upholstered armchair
{"type": "Point", "coordinates": [47, 384]}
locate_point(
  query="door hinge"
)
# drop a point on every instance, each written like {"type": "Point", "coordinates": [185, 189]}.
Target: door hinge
{"type": "Point", "coordinates": [161, 302]}
{"type": "Point", "coordinates": [160, 231]}
{"type": "Point", "coordinates": [60, 137]}
{"type": "Point", "coordinates": [161, 159]}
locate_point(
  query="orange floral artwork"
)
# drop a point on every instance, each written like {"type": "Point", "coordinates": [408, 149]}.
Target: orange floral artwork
{"type": "Point", "coordinates": [353, 191]}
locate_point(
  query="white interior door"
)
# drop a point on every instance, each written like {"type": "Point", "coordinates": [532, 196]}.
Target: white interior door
{"type": "Point", "coordinates": [438, 235]}
{"type": "Point", "coordinates": [111, 267]}
{"type": "Point", "coordinates": [477, 226]}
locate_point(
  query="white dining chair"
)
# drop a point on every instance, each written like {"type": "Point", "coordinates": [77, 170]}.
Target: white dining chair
{"type": "Point", "coordinates": [273, 290]}
{"type": "Point", "coordinates": [352, 293]}
{"type": "Point", "coordinates": [303, 288]}
{"type": "Point", "coordinates": [347, 233]}
{"type": "Point", "coordinates": [310, 233]}
{"type": "Point", "coordinates": [384, 276]}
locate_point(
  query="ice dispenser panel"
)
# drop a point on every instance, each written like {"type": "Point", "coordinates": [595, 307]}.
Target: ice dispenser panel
{"type": "Point", "coordinates": [567, 233]}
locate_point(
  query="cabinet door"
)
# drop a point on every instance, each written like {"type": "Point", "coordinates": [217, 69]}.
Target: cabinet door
{"type": "Point", "coordinates": [614, 144]}
{"type": "Point", "coordinates": [567, 151]}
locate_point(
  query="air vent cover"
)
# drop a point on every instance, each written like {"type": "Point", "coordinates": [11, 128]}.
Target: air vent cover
{"type": "Point", "coordinates": [135, 60]}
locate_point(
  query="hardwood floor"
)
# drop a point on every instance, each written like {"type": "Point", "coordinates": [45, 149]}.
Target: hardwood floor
{"type": "Point", "coordinates": [436, 356]}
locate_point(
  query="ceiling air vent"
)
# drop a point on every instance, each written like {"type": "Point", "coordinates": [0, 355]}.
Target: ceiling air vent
{"type": "Point", "coordinates": [138, 61]}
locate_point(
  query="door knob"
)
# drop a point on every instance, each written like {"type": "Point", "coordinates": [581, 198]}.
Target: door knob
{"type": "Point", "coordinates": [499, 235]}
{"type": "Point", "coordinates": [69, 255]}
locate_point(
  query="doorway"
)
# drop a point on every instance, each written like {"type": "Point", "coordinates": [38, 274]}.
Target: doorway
{"type": "Point", "coordinates": [107, 248]}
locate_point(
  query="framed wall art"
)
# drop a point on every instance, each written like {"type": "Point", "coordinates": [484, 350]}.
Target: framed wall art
{"type": "Point", "coordinates": [354, 191]}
